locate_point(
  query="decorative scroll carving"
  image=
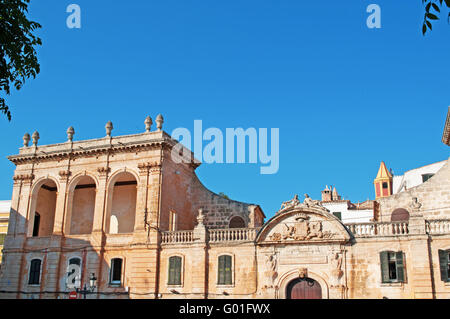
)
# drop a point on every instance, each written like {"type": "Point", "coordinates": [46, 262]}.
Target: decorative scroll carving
{"type": "Point", "coordinates": [415, 204]}
{"type": "Point", "coordinates": [103, 171]}
{"type": "Point", "coordinates": [303, 273]}
{"type": "Point", "coordinates": [64, 175]}
{"type": "Point", "coordinates": [25, 178]}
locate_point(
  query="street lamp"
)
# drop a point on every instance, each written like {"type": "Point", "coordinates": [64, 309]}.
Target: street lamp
{"type": "Point", "coordinates": [85, 291]}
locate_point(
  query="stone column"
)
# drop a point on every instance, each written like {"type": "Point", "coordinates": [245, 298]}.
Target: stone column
{"type": "Point", "coordinates": [101, 196]}
{"type": "Point", "coordinates": [61, 199]}
{"type": "Point", "coordinates": [199, 253]}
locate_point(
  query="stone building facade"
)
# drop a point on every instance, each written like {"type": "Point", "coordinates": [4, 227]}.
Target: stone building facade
{"type": "Point", "coordinates": [129, 212]}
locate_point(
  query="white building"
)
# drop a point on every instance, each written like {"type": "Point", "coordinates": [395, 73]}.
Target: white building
{"type": "Point", "coordinates": [415, 177]}
{"type": "Point", "coordinates": [345, 210]}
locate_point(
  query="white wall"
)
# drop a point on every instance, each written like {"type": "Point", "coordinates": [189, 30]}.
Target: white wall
{"type": "Point", "coordinates": [413, 177]}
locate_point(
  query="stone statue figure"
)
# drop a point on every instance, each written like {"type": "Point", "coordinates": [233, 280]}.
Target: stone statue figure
{"type": "Point", "coordinates": [290, 203]}
{"type": "Point", "coordinates": [271, 261]}
{"type": "Point", "coordinates": [415, 205]}
{"type": "Point", "coordinates": [336, 261]}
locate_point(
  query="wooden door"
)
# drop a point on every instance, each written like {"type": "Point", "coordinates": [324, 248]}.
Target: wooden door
{"type": "Point", "coordinates": [304, 289]}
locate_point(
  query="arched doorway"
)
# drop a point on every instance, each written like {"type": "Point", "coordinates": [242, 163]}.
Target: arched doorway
{"type": "Point", "coordinates": [303, 288]}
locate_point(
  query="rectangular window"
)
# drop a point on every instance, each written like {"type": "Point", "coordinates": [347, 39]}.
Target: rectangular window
{"type": "Point", "coordinates": [35, 272]}
{"type": "Point", "coordinates": [225, 270]}
{"type": "Point", "coordinates": [385, 185]}
{"type": "Point", "coordinates": [392, 262]}
{"type": "Point", "coordinates": [116, 271]}
{"type": "Point", "coordinates": [338, 215]}
{"type": "Point", "coordinates": [175, 270]}
{"type": "Point", "coordinates": [392, 266]}
{"type": "Point", "coordinates": [444, 263]}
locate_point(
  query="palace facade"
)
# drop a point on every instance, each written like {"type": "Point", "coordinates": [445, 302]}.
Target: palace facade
{"type": "Point", "coordinates": [132, 213]}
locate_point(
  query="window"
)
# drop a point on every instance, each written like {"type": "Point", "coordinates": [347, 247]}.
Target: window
{"type": "Point", "coordinates": [116, 271]}
{"type": "Point", "coordinates": [37, 221]}
{"type": "Point", "coordinates": [444, 262]}
{"type": "Point", "coordinates": [172, 221]}
{"type": "Point", "coordinates": [175, 270]}
{"type": "Point", "coordinates": [392, 266]}
{"type": "Point", "coordinates": [385, 185]}
{"type": "Point", "coordinates": [35, 272]}
{"type": "Point", "coordinates": [74, 273]}
{"type": "Point", "coordinates": [338, 215]}
{"type": "Point", "coordinates": [237, 222]}
{"type": "Point", "coordinates": [426, 177]}
{"type": "Point", "coordinates": [225, 275]}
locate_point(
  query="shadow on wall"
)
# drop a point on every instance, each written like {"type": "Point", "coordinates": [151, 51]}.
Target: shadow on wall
{"type": "Point", "coordinates": [44, 265]}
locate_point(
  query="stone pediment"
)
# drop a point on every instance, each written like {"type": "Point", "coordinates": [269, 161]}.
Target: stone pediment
{"type": "Point", "coordinates": [303, 224]}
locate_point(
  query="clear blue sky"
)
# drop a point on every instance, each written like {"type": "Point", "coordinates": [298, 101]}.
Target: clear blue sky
{"type": "Point", "coordinates": [345, 97]}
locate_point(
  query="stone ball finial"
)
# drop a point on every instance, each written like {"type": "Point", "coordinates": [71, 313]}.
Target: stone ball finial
{"type": "Point", "coordinates": [26, 139]}
{"type": "Point", "coordinates": [109, 127]}
{"type": "Point", "coordinates": [159, 122]}
{"type": "Point", "coordinates": [35, 138]}
{"type": "Point", "coordinates": [70, 133]}
{"type": "Point", "coordinates": [148, 124]}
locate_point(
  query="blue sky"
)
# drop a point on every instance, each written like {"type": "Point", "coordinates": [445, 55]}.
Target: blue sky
{"type": "Point", "coordinates": [345, 97]}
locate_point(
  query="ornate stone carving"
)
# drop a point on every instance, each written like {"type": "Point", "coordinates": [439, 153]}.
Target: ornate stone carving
{"type": "Point", "coordinates": [415, 204]}
{"type": "Point", "coordinates": [64, 175]}
{"type": "Point", "coordinates": [271, 273]}
{"type": "Point", "coordinates": [336, 262]}
{"type": "Point", "coordinates": [303, 273]}
{"type": "Point", "coordinates": [103, 171]}
{"type": "Point", "coordinates": [291, 203]}
{"type": "Point", "coordinates": [308, 202]}
{"type": "Point", "coordinates": [302, 229]}
{"type": "Point", "coordinates": [24, 178]}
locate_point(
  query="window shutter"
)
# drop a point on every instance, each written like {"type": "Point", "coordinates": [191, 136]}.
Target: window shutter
{"type": "Point", "coordinates": [228, 279]}
{"type": "Point", "coordinates": [443, 262]}
{"type": "Point", "coordinates": [221, 269]}
{"type": "Point", "coordinates": [171, 268]}
{"type": "Point", "coordinates": [384, 267]}
{"type": "Point", "coordinates": [177, 271]}
{"type": "Point", "coordinates": [400, 266]}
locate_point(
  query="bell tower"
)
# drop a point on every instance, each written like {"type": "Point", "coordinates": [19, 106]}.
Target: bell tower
{"type": "Point", "coordinates": [383, 182]}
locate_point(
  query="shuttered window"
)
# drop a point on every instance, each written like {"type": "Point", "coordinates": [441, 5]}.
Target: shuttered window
{"type": "Point", "coordinates": [225, 270]}
{"type": "Point", "coordinates": [116, 271]}
{"type": "Point", "coordinates": [35, 272]}
{"type": "Point", "coordinates": [444, 263]}
{"type": "Point", "coordinates": [392, 266]}
{"type": "Point", "coordinates": [175, 270]}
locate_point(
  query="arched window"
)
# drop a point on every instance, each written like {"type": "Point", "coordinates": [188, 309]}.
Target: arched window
{"type": "Point", "coordinates": [237, 222]}
{"type": "Point", "coordinates": [122, 203]}
{"type": "Point", "coordinates": [82, 207]}
{"type": "Point", "coordinates": [43, 210]}
{"type": "Point", "coordinates": [74, 273]}
{"type": "Point", "coordinates": [400, 215]}
{"type": "Point", "coordinates": [225, 270]}
{"type": "Point", "coordinates": [115, 277]}
{"type": "Point", "coordinates": [175, 270]}
{"type": "Point", "coordinates": [34, 277]}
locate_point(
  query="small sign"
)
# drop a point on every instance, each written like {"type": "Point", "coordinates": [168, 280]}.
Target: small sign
{"type": "Point", "coordinates": [73, 295]}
